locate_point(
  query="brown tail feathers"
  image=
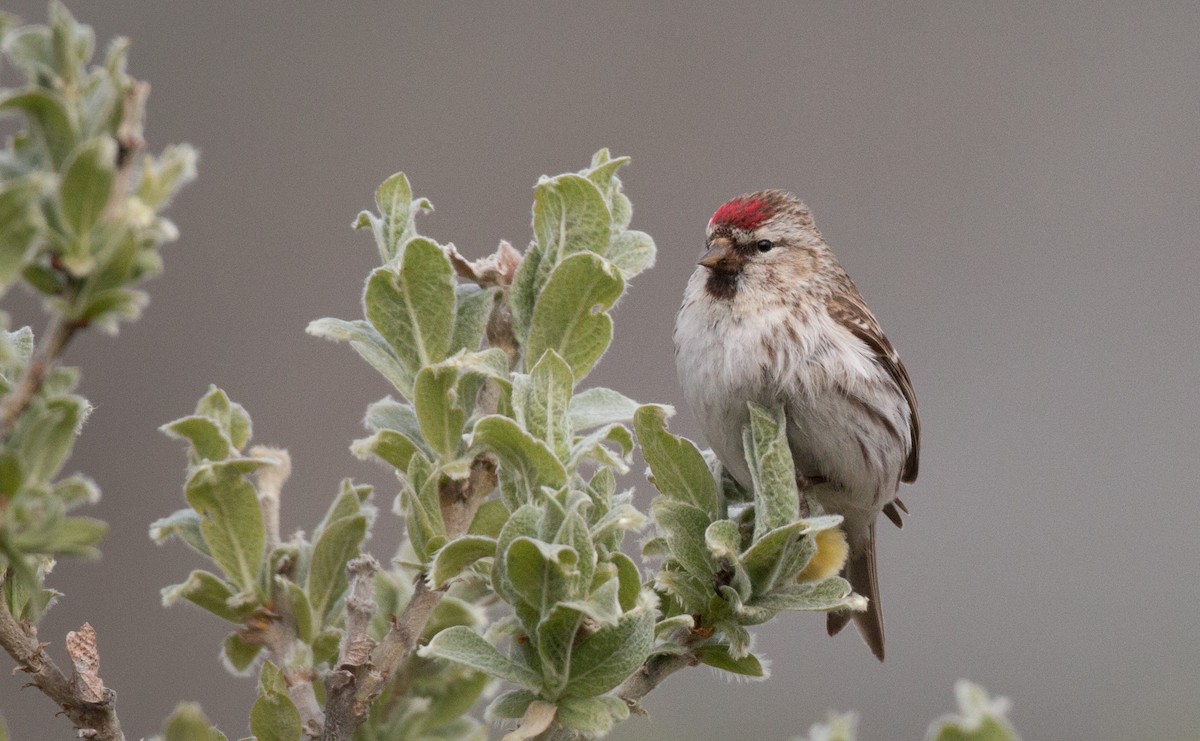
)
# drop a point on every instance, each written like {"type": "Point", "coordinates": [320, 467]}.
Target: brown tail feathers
{"type": "Point", "coordinates": [860, 572]}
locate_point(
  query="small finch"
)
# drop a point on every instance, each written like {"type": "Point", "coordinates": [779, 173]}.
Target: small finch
{"type": "Point", "coordinates": [770, 316]}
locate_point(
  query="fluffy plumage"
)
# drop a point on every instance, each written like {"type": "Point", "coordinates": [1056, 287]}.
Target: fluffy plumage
{"type": "Point", "coordinates": [770, 316]}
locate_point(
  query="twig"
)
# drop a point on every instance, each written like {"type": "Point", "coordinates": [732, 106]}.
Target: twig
{"type": "Point", "coordinates": [650, 675]}
{"type": "Point", "coordinates": [341, 713]}
{"type": "Point", "coordinates": [83, 698]}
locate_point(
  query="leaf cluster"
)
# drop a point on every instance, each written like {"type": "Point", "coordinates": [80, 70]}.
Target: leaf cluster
{"type": "Point", "coordinates": [80, 206]}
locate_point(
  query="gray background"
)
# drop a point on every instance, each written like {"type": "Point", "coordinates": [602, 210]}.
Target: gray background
{"type": "Point", "coordinates": [1014, 188]}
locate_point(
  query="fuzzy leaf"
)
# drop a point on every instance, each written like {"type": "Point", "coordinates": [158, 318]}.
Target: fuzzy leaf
{"type": "Point", "coordinates": [832, 594]}
{"type": "Point", "coordinates": [457, 555]}
{"type": "Point", "coordinates": [717, 656]}
{"type": "Point", "coordinates": [47, 435]}
{"type": "Point", "coordinates": [231, 522]}
{"type": "Point", "coordinates": [438, 412]}
{"type": "Point", "coordinates": [519, 450]}
{"type": "Point", "coordinates": [980, 718]}
{"type": "Point", "coordinates": [678, 469]}
{"type": "Point", "coordinates": [570, 314]}
{"type": "Point", "coordinates": [188, 723]}
{"type": "Point", "coordinates": [413, 308]}
{"type": "Point", "coordinates": [238, 655]}
{"type": "Point", "coordinates": [776, 497]}
{"type": "Point", "coordinates": [510, 705]}
{"type": "Point", "coordinates": [339, 543]}
{"type": "Point", "coordinates": [49, 120]}
{"type": "Point", "coordinates": [85, 187]}
{"type": "Point", "coordinates": [206, 591]}
{"type": "Point", "coordinates": [540, 401]}
{"type": "Point", "coordinates": [389, 446]}
{"type": "Point", "coordinates": [183, 524]}
{"type": "Point", "coordinates": [465, 646]}
{"type": "Point", "coordinates": [600, 406]}
{"type": "Point", "coordinates": [370, 346]}
{"type": "Point", "coordinates": [593, 716]}
{"type": "Point", "coordinates": [209, 441]}
{"type": "Point", "coordinates": [683, 527]}
{"type": "Point", "coordinates": [542, 573]}
{"type": "Point", "coordinates": [632, 252]}
{"type": "Point", "coordinates": [394, 200]}
{"type": "Point", "coordinates": [607, 657]}
{"type": "Point", "coordinates": [274, 717]}
{"type": "Point", "coordinates": [569, 216]}
{"type": "Point", "coordinates": [474, 307]}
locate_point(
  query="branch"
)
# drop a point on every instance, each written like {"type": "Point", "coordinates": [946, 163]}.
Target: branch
{"type": "Point", "coordinates": [650, 675]}
{"type": "Point", "coordinates": [341, 713]}
{"type": "Point", "coordinates": [84, 699]}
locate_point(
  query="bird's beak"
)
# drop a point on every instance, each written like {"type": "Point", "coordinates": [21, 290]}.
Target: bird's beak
{"type": "Point", "coordinates": [721, 256]}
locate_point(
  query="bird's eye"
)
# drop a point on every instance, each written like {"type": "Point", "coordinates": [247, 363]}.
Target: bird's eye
{"type": "Point", "coordinates": [765, 245]}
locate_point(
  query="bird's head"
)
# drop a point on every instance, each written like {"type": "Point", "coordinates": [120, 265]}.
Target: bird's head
{"type": "Point", "coordinates": [758, 236]}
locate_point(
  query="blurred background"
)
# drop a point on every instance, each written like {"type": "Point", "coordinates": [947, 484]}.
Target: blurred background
{"type": "Point", "coordinates": [1015, 189]}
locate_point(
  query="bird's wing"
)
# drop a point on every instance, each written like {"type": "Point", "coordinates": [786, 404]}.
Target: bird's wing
{"type": "Point", "coordinates": [848, 309]}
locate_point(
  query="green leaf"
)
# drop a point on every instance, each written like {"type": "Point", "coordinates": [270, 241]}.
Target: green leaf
{"type": "Point", "coordinates": [164, 175]}
{"type": "Point", "coordinates": [542, 573]}
{"type": "Point", "coordinates": [389, 446]}
{"type": "Point", "coordinates": [206, 591]}
{"type": "Point", "coordinates": [776, 497]}
{"type": "Point", "coordinates": [724, 541]}
{"type": "Point", "coordinates": [77, 536]}
{"type": "Point", "coordinates": [683, 526]}
{"type": "Point", "coordinates": [18, 226]}
{"type": "Point", "coordinates": [607, 657]}
{"type": "Point", "coordinates": [630, 578]}
{"type": "Point", "coordinates": [238, 655]}
{"type": "Point", "coordinates": [466, 647]}
{"type": "Point", "coordinates": [517, 449]}
{"type": "Point", "coordinates": [298, 606]}
{"type": "Point", "coordinates": [231, 522]}
{"type": "Point", "coordinates": [678, 469]}
{"type": "Point", "coordinates": [87, 184]}
{"type": "Point", "coordinates": [47, 435]}
{"type": "Point", "coordinates": [454, 557]}
{"type": "Point", "coordinates": [183, 524]}
{"type": "Point", "coordinates": [231, 417]}
{"type": "Point", "coordinates": [509, 705]}
{"type": "Point", "coordinates": [438, 411]}
{"type": "Point", "coordinates": [370, 346]}
{"type": "Point", "coordinates": [188, 723]}
{"type": "Point", "coordinates": [396, 207]}
{"type": "Point", "coordinates": [980, 717]}
{"type": "Point", "coordinates": [470, 320]}
{"type": "Point", "coordinates": [717, 656]}
{"type": "Point", "coordinates": [599, 406]}
{"type": "Point", "coordinates": [11, 475]}
{"type": "Point", "coordinates": [594, 716]}
{"type": "Point", "coordinates": [764, 560]}
{"type": "Point", "coordinates": [570, 216]}
{"type": "Point", "coordinates": [413, 308]}
{"type": "Point", "coordinates": [540, 402]}
{"type": "Point", "coordinates": [632, 252]}
{"type": "Point", "coordinates": [831, 594]}
{"type": "Point", "coordinates": [209, 441]}
{"type": "Point", "coordinates": [523, 522]}
{"type": "Point", "coordinates": [555, 634]}
{"type": "Point", "coordinates": [339, 543]}
{"type": "Point", "coordinates": [49, 120]}
{"type": "Point", "coordinates": [274, 717]}
{"type": "Point", "coordinates": [489, 519]}
{"type": "Point", "coordinates": [570, 314]}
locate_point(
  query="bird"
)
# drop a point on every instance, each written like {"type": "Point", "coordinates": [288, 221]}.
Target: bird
{"type": "Point", "coordinates": [770, 316]}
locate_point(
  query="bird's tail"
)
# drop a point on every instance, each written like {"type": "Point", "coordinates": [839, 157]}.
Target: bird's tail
{"type": "Point", "coordinates": [860, 572]}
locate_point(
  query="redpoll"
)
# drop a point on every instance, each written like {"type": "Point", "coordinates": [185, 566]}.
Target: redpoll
{"type": "Point", "coordinates": [770, 316]}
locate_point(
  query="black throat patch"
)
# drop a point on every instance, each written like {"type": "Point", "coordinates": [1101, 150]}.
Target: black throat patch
{"type": "Point", "coordinates": [721, 285]}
